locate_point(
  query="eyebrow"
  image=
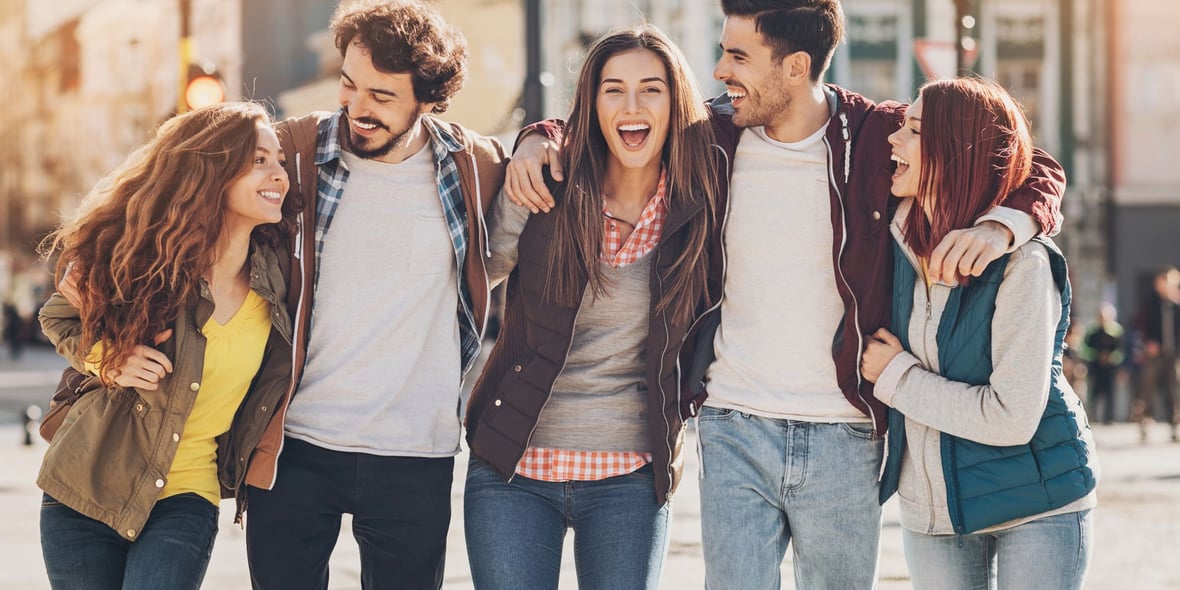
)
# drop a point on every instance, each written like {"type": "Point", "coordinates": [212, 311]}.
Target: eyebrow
{"type": "Point", "coordinates": [733, 50]}
{"type": "Point", "coordinates": [373, 90]}
{"type": "Point", "coordinates": [643, 81]}
{"type": "Point", "coordinates": [266, 150]}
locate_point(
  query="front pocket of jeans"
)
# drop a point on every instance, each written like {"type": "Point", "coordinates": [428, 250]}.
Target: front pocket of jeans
{"type": "Point", "coordinates": [717, 414]}
{"type": "Point", "coordinates": [859, 430]}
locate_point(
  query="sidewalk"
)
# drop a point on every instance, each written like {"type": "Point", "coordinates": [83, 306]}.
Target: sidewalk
{"type": "Point", "coordinates": [1138, 525]}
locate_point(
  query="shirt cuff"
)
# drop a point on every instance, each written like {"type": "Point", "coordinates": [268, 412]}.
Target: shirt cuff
{"type": "Point", "coordinates": [886, 386]}
{"type": "Point", "coordinates": [1021, 224]}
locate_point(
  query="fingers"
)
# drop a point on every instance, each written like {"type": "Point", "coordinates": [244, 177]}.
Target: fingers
{"type": "Point", "coordinates": [68, 287]}
{"type": "Point", "coordinates": [162, 337]}
{"type": "Point", "coordinates": [886, 337]}
{"type": "Point", "coordinates": [145, 367]}
{"type": "Point", "coordinates": [555, 168]}
{"type": "Point", "coordinates": [968, 252]}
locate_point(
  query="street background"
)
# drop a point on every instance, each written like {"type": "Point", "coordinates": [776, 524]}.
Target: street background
{"type": "Point", "coordinates": [1137, 521]}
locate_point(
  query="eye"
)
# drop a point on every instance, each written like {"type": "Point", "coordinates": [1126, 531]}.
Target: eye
{"type": "Point", "coordinates": [612, 90]}
{"type": "Point", "coordinates": [283, 163]}
{"type": "Point", "coordinates": [381, 99]}
{"type": "Point", "coordinates": [653, 90]}
{"type": "Point", "coordinates": [260, 160]}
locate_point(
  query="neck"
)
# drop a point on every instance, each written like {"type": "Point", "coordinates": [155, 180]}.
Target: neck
{"type": "Point", "coordinates": [413, 141]}
{"type": "Point", "coordinates": [630, 185]}
{"type": "Point", "coordinates": [807, 113]}
{"type": "Point", "coordinates": [232, 251]}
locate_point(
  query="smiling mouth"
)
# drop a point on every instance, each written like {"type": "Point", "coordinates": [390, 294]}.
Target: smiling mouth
{"type": "Point", "coordinates": [902, 165]}
{"type": "Point", "coordinates": [634, 135]}
{"type": "Point", "coordinates": [271, 196]}
{"type": "Point", "coordinates": [365, 126]}
{"type": "Point", "coordinates": [735, 96]}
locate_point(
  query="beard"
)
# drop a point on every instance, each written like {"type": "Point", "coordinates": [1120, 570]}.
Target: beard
{"type": "Point", "coordinates": [368, 148]}
{"type": "Point", "coordinates": [764, 107]}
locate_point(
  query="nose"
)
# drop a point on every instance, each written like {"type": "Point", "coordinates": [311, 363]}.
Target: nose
{"type": "Point", "coordinates": [721, 70]}
{"type": "Point", "coordinates": [631, 103]}
{"type": "Point", "coordinates": [893, 139]}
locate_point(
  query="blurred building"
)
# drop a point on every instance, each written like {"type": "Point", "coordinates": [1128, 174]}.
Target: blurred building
{"type": "Point", "coordinates": [82, 83]}
{"type": "Point", "coordinates": [85, 80]}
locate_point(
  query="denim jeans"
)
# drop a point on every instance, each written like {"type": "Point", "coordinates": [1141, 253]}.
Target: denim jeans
{"type": "Point", "coordinates": [515, 530]}
{"type": "Point", "coordinates": [769, 483]}
{"type": "Point", "coordinates": [400, 506]}
{"type": "Point", "coordinates": [1052, 553]}
{"type": "Point", "coordinates": [172, 550]}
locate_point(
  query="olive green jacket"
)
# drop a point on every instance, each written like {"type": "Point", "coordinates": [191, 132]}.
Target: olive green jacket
{"type": "Point", "coordinates": [115, 448]}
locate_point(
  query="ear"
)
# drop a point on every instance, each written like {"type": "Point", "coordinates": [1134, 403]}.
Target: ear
{"type": "Point", "coordinates": [798, 65]}
{"type": "Point", "coordinates": [426, 108]}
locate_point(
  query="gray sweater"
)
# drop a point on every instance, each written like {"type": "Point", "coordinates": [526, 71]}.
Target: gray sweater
{"type": "Point", "coordinates": [598, 402]}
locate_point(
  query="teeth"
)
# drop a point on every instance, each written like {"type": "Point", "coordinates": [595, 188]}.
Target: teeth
{"type": "Point", "coordinates": [735, 94]}
{"type": "Point", "coordinates": [272, 195]}
{"type": "Point", "coordinates": [634, 127]}
{"type": "Point", "coordinates": [898, 159]}
{"type": "Point", "coordinates": [365, 126]}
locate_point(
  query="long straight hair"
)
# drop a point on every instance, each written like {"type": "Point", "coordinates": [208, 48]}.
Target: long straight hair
{"type": "Point", "coordinates": [147, 233]}
{"type": "Point", "coordinates": [976, 148]}
{"type": "Point", "coordinates": [688, 155]}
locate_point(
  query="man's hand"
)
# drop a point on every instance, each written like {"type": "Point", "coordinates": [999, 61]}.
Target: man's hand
{"type": "Point", "coordinates": [880, 348]}
{"type": "Point", "coordinates": [967, 252]}
{"type": "Point", "coordinates": [68, 287]}
{"type": "Point", "coordinates": [145, 367]}
{"type": "Point", "coordinates": [525, 183]}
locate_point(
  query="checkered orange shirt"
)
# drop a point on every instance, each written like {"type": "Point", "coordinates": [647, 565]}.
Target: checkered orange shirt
{"type": "Point", "coordinates": [557, 465]}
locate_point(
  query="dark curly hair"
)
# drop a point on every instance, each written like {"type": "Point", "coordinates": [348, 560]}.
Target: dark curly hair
{"type": "Point", "coordinates": [407, 36]}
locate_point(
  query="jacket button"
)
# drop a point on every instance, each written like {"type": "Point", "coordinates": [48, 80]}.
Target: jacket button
{"type": "Point", "coordinates": [130, 532]}
{"type": "Point", "coordinates": [498, 403]}
{"type": "Point", "coordinates": [876, 215]}
{"type": "Point", "coordinates": [138, 407]}
{"type": "Point", "coordinates": [263, 408]}
{"type": "Point", "coordinates": [517, 368]}
{"type": "Point", "coordinates": [159, 483]}
{"type": "Point", "coordinates": [194, 386]}
{"type": "Point", "coordinates": [175, 437]}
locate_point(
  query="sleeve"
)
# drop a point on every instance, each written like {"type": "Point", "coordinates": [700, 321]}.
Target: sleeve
{"type": "Point", "coordinates": [553, 129]}
{"type": "Point", "coordinates": [505, 224]}
{"type": "Point", "coordinates": [1007, 410]}
{"type": "Point", "coordinates": [1040, 195]}
{"type": "Point", "coordinates": [1021, 224]}
{"type": "Point", "coordinates": [62, 324]}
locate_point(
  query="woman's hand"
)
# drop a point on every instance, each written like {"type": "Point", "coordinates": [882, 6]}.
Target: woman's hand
{"type": "Point", "coordinates": [880, 348]}
{"type": "Point", "coordinates": [145, 367]}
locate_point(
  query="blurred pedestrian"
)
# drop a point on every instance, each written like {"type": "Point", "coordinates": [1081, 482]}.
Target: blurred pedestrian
{"type": "Point", "coordinates": [989, 448]}
{"type": "Point", "coordinates": [1102, 350]}
{"type": "Point", "coordinates": [176, 305]}
{"type": "Point", "coordinates": [1158, 323]}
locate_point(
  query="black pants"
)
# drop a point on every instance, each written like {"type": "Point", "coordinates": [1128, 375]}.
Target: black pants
{"type": "Point", "coordinates": [401, 509]}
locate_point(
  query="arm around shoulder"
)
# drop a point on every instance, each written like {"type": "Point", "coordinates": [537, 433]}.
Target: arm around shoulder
{"type": "Point", "coordinates": [1040, 195]}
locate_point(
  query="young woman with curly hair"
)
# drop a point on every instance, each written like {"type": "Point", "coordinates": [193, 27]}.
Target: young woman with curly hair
{"type": "Point", "coordinates": [180, 315]}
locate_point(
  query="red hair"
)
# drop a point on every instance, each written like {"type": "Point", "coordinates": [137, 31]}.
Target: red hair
{"type": "Point", "coordinates": [976, 148]}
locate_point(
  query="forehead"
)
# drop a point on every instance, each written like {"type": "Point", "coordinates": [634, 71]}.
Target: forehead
{"type": "Point", "coordinates": [267, 138]}
{"type": "Point", "coordinates": [740, 33]}
{"type": "Point", "coordinates": [915, 110]}
{"type": "Point", "coordinates": [633, 64]}
{"type": "Point", "coordinates": [358, 66]}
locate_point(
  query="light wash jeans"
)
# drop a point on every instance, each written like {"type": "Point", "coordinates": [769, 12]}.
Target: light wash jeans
{"type": "Point", "coordinates": [515, 530]}
{"type": "Point", "coordinates": [1052, 553]}
{"type": "Point", "coordinates": [769, 483]}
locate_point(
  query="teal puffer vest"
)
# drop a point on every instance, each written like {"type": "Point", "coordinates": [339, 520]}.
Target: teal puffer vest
{"type": "Point", "coordinates": [988, 485]}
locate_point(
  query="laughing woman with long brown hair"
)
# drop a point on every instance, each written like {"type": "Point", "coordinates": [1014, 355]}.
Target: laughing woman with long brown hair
{"type": "Point", "coordinates": [575, 422]}
{"type": "Point", "coordinates": [180, 316]}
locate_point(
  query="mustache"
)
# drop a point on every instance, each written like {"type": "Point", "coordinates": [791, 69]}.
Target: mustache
{"type": "Point", "coordinates": [370, 121]}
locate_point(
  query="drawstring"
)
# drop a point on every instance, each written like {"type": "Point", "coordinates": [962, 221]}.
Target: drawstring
{"type": "Point", "coordinates": [847, 145]}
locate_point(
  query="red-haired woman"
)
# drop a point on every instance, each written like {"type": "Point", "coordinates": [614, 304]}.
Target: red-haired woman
{"type": "Point", "coordinates": [989, 448]}
{"type": "Point", "coordinates": [180, 314]}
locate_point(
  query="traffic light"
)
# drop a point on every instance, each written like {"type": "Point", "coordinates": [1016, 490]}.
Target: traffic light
{"type": "Point", "coordinates": [203, 86]}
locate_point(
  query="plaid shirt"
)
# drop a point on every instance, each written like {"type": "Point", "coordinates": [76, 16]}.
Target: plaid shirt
{"type": "Point", "coordinates": [557, 465]}
{"type": "Point", "coordinates": [333, 175]}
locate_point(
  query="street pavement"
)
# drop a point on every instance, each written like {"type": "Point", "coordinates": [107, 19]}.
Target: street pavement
{"type": "Point", "coordinates": [1136, 542]}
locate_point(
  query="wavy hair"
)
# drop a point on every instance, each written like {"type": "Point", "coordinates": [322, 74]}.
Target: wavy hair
{"type": "Point", "coordinates": [811, 26]}
{"type": "Point", "coordinates": [406, 36]}
{"type": "Point", "coordinates": [145, 234]}
{"type": "Point", "coordinates": [688, 156]}
{"type": "Point", "coordinates": [976, 148]}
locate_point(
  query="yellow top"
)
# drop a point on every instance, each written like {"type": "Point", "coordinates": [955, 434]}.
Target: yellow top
{"type": "Point", "coordinates": [233, 355]}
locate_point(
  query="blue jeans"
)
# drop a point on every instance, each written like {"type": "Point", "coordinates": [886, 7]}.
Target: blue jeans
{"type": "Point", "coordinates": [172, 550]}
{"type": "Point", "coordinates": [768, 483]}
{"type": "Point", "coordinates": [515, 530]}
{"type": "Point", "coordinates": [1052, 553]}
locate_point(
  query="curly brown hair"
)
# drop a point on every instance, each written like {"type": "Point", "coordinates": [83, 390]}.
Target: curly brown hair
{"type": "Point", "coordinates": [407, 36]}
{"type": "Point", "coordinates": [146, 234]}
